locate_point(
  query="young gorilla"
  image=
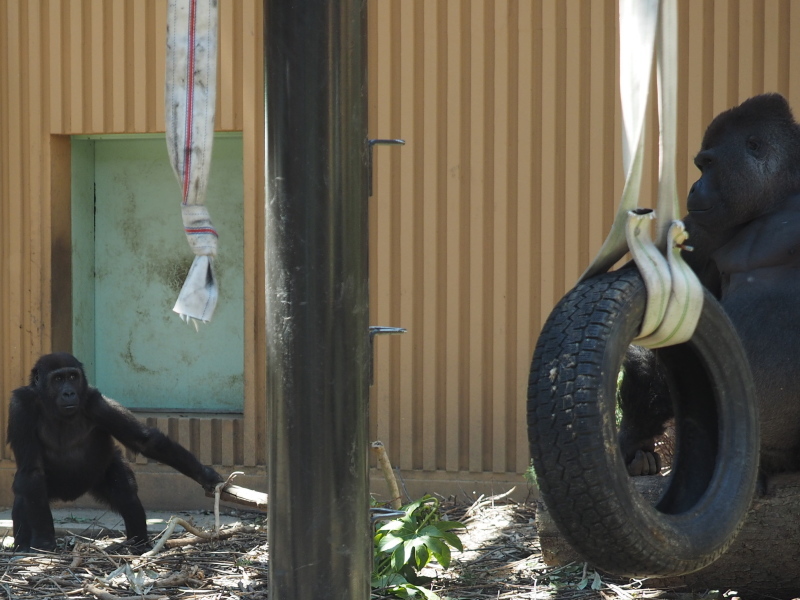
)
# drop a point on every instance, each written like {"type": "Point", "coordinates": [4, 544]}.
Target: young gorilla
{"type": "Point", "coordinates": [61, 431]}
{"type": "Point", "coordinates": [744, 224]}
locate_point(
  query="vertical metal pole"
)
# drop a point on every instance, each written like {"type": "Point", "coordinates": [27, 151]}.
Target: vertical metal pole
{"type": "Point", "coordinates": [317, 299]}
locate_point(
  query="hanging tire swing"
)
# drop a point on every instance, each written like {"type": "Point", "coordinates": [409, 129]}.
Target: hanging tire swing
{"type": "Point", "coordinates": [573, 436]}
{"type": "Point", "coordinates": [659, 304]}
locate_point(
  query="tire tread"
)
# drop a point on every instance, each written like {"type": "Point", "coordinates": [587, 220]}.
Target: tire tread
{"type": "Point", "coordinates": [565, 425]}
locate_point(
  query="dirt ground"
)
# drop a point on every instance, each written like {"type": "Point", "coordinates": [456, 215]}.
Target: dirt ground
{"type": "Point", "coordinates": [501, 560]}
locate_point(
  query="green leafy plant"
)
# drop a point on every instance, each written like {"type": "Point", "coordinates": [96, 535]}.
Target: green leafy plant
{"type": "Point", "coordinates": [530, 476]}
{"type": "Point", "coordinates": [404, 546]}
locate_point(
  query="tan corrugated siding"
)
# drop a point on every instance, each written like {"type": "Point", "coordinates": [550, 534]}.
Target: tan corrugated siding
{"type": "Point", "coordinates": [511, 136]}
{"type": "Point", "coordinates": [105, 63]}
{"type": "Point", "coordinates": [81, 67]}
{"type": "Point", "coordinates": [505, 189]}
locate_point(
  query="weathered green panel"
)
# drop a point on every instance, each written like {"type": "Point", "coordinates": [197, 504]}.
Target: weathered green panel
{"type": "Point", "coordinates": [145, 356]}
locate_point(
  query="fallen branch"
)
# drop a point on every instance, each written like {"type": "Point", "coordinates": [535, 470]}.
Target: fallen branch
{"type": "Point", "coordinates": [483, 501]}
{"type": "Point", "coordinates": [77, 557]}
{"type": "Point", "coordinates": [199, 535]}
{"type": "Point", "coordinates": [217, 493]}
{"type": "Point", "coordinates": [205, 537]}
{"type": "Point", "coordinates": [173, 522]}
{"type": "Point", "coordinates": [241, 495]}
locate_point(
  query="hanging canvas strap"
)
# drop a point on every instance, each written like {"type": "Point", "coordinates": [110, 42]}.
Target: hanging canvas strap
{"type": "Point", "coordinates": [190, 95]}
{"type": "Point", "coordinates": [674, 294]}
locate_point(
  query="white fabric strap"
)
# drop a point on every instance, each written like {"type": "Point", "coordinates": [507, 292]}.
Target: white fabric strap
{"type": "Point", "coordinates": [674, 294]}
{"type": "Point", "coordinates": [638, 20]}
{"type": "Point", "coordinates": [667, 43]}
{"type": "Point", "coordinates": [653, 267]}
{"type": "Point", "coordinates": [190, 96]}
{"type": "Point", "coordinates": [685, 297]}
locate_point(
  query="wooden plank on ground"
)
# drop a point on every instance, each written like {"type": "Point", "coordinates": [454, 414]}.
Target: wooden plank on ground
{"type": "Point", "coordinates": [244, 496]}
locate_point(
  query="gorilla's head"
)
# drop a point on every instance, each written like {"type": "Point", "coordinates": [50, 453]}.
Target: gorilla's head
{"type": "Point", "coordinates": [749, 163]}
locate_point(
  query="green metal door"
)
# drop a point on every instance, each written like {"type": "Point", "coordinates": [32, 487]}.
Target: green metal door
{"type": "Point", "coordinates": [130, 258]}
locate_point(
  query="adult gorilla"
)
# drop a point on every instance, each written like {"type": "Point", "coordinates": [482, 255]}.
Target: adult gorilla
{"type": "Point", "coordinates": [744, 225]}
{"type": "Point", "coordinates": [62, 433]}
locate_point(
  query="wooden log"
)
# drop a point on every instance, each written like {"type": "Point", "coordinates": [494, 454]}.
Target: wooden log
{"type": "Point", "coordinates": [242, 495]}
{"type": "Point", "coordinates": [764, 558]}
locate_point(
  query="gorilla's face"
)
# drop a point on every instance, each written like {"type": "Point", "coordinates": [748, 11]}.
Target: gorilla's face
{"type": "Point", "coordinates": [746, 164]}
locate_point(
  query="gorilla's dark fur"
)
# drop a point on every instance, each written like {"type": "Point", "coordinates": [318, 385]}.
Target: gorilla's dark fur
{"type": "Point", "coordinates": [744, 224]}
{"type": "Point", "coordinates": [62, 433]}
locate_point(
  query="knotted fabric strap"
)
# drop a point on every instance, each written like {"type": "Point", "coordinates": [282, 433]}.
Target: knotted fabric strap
{"type": "Point", "coordinates": [673, 310]}
{"type": "Point", "coordinates": [190, 96]}
{"type": "Point", "coordinates": [674, 294]}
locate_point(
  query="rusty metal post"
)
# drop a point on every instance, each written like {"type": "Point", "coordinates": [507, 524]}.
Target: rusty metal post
{"type": "Point", "coordinates": [317, 299]}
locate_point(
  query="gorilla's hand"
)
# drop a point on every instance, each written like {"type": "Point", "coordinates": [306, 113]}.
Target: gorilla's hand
{"type": "Point", "coordinates": [209, 479]}
{"type": "Point", "coordinates": [644, 463]}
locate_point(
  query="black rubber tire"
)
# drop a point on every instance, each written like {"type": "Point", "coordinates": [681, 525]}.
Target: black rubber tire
{"type": "Point", "coordinates": [573, 435]}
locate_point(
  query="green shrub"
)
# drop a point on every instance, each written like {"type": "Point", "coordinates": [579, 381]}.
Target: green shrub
{"type": "Point", "coordinates": [404, 546]}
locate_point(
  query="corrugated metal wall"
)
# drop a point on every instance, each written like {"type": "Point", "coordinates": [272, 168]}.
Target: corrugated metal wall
{"type": "Point", "coordinates": [509, 178]}
{"type": "Point", "coordinates": [505, 189]}
{"type": "Point", "coordinates": [91, 67]}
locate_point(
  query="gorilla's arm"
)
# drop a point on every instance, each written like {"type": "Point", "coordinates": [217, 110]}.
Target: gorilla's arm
{"type": "Point", "coordinates": [149, 441]}
{"type": "Point", "coordinates": [700, 257]}
{"type": "Point", "coordinates": [771, 241]}
{"type": "Point", "coordinates": [23, 416]}
{"type": "Point", "coordinates": [646, 406]}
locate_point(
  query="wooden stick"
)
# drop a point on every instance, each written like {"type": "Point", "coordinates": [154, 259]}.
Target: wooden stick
{"type": "Point", "coordinates": [241, 495]}
{"type": "Point", "coordinates": [388, 474]}
{"type": "Point", "coordinates": [199, 534]}
{"type": "Point", "coordinates": [222, 535]}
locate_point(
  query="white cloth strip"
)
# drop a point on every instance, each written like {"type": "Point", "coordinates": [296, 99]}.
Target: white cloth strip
{"type": "Point", "coordinates": [190, 96]}
{"type": "Point", "coordinates": [674, 294]}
